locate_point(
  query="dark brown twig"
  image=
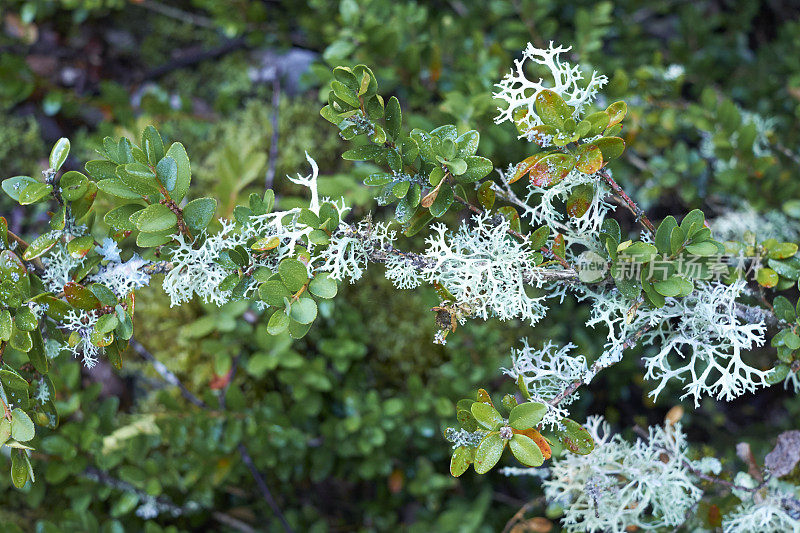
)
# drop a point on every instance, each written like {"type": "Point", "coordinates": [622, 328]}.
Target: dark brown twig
{"type": "Point", "coordinates": [637, 211]}
{"type": "Point", "coordinates": [172, 379]}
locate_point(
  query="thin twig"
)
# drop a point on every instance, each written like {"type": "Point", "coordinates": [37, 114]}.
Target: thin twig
{"type": "Point", "coordinates": [637, 211]}
{"type": "Point", "coordinates": [262, 485]}
{"type": "Point", "coordinates": [166, 374]}
{"type": "Point", "coordinates": [600, 365]}
{"type": "Point", "coordinates": [273, 147]}
{"type": "Point", "coordinates": [172, 379]}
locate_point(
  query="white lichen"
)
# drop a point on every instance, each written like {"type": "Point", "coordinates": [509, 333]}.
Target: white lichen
{"type": "Point", "coordinates": [645, 484]}
{"type": "Point", "coordinates": [519, 91]}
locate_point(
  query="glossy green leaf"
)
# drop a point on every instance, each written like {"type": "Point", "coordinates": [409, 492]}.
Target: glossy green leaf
{"type": "Point", "coordinates": [198, 213]}
{"type": "Point", "coordinates": [486, 415]}
{"type": "Point", "coordinates": [59, 153]}
{"type": "Point", "coordinates": [526, 415]}
{"type": "Point", "coordinates": [526, 451]}
{"type": "Point", "coordinates": [155, 218]}
{"type": "Point", "coordinates": [488, 453]}
{"type": "Point", "coordinates": [460, 461]}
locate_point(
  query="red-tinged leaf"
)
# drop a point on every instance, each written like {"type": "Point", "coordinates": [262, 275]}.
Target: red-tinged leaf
{"type": "Point", "coordinates": [616, 112]}
{"type": "Point", "coordinates": [484, 397]}
{"type": "Point", "coordinates": [520, 115]}
{"type": "Point", "coordinates": [443, 293]}
{"type": "Point", "coordinates": [558, 245]}
{"type": "Point", "coordinates": [81, 297]}
{"type": "Point", "coordinates": [524, 166]}
{"type": "Point", "coordinates": [551, 108]}
{"type": "Point", "coordinates": [590, 158]}
{"type": "Point", "coordinates": [130, 302]}
{"type": "Point", "coordinates": [575, 438]}
{"type": "Point", "coordinates": [551, 169]}
{"type": "Point", "coordinates": [11, 266]}
{"type": "Point", "coordinates": [220, 382]}
{"type": "Point", "coordinates": [542, 134]}
{"type": "Point", "coordinates": [580, 199]}
{"type": "Point", "coordinates": [486, 195]}
{"type": "Point", "coordinates": [539, 439]}
{"type": "Point", "coordinates": [611, 147]}
{"type": "Point", "coordinates": [512, 216]}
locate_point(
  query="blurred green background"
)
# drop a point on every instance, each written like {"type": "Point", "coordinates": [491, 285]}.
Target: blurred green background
{"type": "Point", "coordinates": [346, 424]}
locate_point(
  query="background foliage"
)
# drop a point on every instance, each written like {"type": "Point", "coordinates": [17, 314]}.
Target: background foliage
{"type": "Point", "coordinates": [346, 423]}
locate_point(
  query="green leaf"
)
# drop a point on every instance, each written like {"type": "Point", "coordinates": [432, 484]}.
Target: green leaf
{"type": "Point", "coordinates": [702, 249]}
{"type": "Point", "coordinates": [304, 310]}
{"type": "Point", "coordinates": [477, 168]}
{"type": "Point", "coordinates": [152, 145]}
{"type": "Point", "coordinates": [41, 245]}
{"type": "Point", "coordinates": [278, 322]}
{"type": "Point", "coordinates": [363, 153]}
{"type": "Point", "coordinates": [767, 277]}
{"type": "Point", "coordinates": [73, 185]}
{"type": "Point", "coordinates": [486, 195]}
{"type": "Point", "coordinates": [14, 186]}
{"type": "Point", "coordinates": [323, 286]}
{"type": "Point", "coordinates": [106, 323]}
{"type": "Point", "coordinates": [580, 199]}
{"type": "Point", "coordinates": [178, 153]}
{"type": "Point", "coordinates": [575, 438]}
{"type": "Point", "coordinates": [393, 117]}
{"type": "Point", "coordinates": [551, 108]}
{"type": "Point", "coordinates": [14, 384]}
{"type": "Point", "coordinates": [674, 286]}
{"type": "Point", "coordinates": [5, 325]}
{"type": "Point", "coordinates": [467, 144]}
{"type": "Point", "coordinates": [156, 218]}
{"type": "Point", "coordinates": [167, 172]}
{"type": "Point", "coordinates": [539, 237]}
{"type": "Point", "coordinates": [526, 415]}
{"type": "Point", "coordinates": [526, 451]}
{"type": "Point", "coordinates": [418, 222]}
{"type": "Point", "coordinates": [22, 428]}
{"type": "Point", "coordinates": [19, 468]}
{"type": "Point", "coordinates": [116, 187]}
{"type": "Point", "coordinates": [198, 213]}
{"type": "Point", "coordinates": [293, 273]}
{"type": "Point", "coordinates": [784, 310]}
{"type": "Point", "coordinates": [488, 453]}
{"type": "Point", "coordinates": [119, 217]}
{"type": "Point", "coordinates": [591, 267]}
{"type": "Point", "coordinates": [782, 250]}
{"type": "Point", "coordinates": [34, 192]}
{"type": "Point", "coordinates": [273, 292]}
{"type": "Point", "coordinates": [59, 153]}
{"type": "Point", "coordinates": [617, 112]}
{"type": "Point", "coordinates": [486, 415]}
{"type": "Point", "coordinates": [5, 430]}
{"type": "Point", "coordinates": [457, 166]}
{"type": "Point", "coordinates": [443, 200]}
{"type": "Point", "coordinates": [693, 222]}
{"type": "Point", "coordinates": [298, 330]}
{"type": "Point", "coordinates": [80, 297]}
{"type": "Point", "coordinates": [36, 354]}
{"type": "Point", "coordinates": [462, 457]}
{"type": "Point", "coordinates": [611, 147]}
{"type": "Point", "coordinates": [640, 251]}
{"type": "Point", "coordinates": [148, 240]}
{"type": "Point", "coordinates": [138, 178]}
{"type": "Point", "coordinates": [663, 234]}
